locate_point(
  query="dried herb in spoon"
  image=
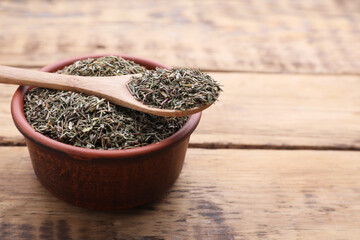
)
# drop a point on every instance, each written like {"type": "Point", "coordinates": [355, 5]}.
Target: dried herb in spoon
{"type": "Point", "coordinates": [92, 122]}
{"type": "Point", "coordinates": [177, 89]}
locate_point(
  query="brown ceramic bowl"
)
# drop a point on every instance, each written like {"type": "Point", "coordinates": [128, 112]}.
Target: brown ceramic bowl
{"type": "Point", "coordinates": [104, 179]}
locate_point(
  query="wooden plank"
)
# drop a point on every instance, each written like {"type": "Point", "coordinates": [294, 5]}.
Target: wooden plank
{"type": "Point", "coordinates": [221, 194]}
{"type": "Point", "coordinates": [266, 111]}
{"type": "Point", "coordinates": [7, 127]}
{"type": "Point", "coordinates": [283, 111]}
{"type": "Point", "coordinates": [257, 36]}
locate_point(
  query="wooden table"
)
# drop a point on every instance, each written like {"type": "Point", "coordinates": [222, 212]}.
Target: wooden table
{"type": "Point", "coordinates": [276, 158]}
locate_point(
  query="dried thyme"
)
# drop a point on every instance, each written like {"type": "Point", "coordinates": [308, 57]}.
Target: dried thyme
{"type": "Point", "coordinates": [92, 122]}
{"type": "Point", "coordinates": [102, 67]}
{"type": "Point", "coordinates": [178, 89]}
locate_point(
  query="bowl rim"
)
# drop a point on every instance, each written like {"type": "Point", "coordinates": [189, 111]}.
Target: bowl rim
{"type": "Point", "coordinates": [17, 112]}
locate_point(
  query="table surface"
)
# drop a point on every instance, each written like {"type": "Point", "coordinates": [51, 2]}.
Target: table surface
{"type": "Point", "coordinates": [276, 158]}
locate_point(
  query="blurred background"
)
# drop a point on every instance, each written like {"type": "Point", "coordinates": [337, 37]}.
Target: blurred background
{"type": "Point", "coordinates": [295, 36]}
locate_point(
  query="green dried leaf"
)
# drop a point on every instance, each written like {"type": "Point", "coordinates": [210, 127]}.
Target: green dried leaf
{"type": "Point", "coordinates": [178, 89]}
{"type": "Point", "coordinates": [92, 122]}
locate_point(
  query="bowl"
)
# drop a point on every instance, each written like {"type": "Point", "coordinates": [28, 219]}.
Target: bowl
{"type": "Point", "coordinates": [104, 179]}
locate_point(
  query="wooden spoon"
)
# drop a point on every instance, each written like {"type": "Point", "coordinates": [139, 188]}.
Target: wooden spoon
{"type": "Point", "coordinates": [114, 89]}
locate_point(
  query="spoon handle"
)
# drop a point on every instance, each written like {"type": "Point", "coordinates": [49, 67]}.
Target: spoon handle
{"type": "Point", "coordinates": [18, 76]}
{"type": "Point", "coordinates": [113, 89]}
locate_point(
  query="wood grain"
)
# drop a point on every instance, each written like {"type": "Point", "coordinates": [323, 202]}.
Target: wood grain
{"type": "Point", "coordinates": [266, 111]}
{"type": "Point", "coordinates": [222, 194]}
{"type": "Point", "coordinates": [283, 111]}
{"type": "Point", "coordinates": [256, 36]}
{"type": "Point", "coordinates": [8, 130]}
